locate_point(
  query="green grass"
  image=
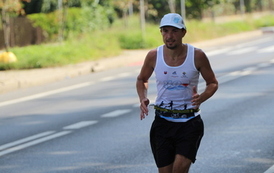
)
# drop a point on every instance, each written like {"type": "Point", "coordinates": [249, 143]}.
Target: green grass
{"type": "Point", "coordinates": [107, 43]}
{"type": "Point", "coordinates": [78, 49]}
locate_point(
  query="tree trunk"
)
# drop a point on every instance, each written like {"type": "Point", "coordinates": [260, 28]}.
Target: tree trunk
{"type": "Point", "coordinates": [271, 5]}
{"type": "Point", "coordinates": [6, 28]}
{"type": "Point", "coordinates": [61, 20]}
{"type": "Point", "coordinates": [171, 4]}
{"type": "Point", "coordinates": [142, 17]}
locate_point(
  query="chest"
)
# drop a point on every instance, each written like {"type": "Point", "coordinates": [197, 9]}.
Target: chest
{"type": "Point", "coordinates": [180, 74]}
{"type": "Point", "coordinates": [174, 62]}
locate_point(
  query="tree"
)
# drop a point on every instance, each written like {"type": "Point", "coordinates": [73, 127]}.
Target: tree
{"type": "Point", "coordinates": [195, 8]}
{"type": "Point", "coordinates": [171, 4]}
{"type": "Point", "coordinates": [33, 6]}
{"type": "Point", "coordinates": [161, 7]}
{"type": "Point", "coordinates": [9, 8]}
{"type": "Point", "coordinates": [123, 7]}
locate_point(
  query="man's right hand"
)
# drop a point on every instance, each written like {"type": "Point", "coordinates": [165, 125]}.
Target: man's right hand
{"type": "Point", "coordinates": [144, 108]}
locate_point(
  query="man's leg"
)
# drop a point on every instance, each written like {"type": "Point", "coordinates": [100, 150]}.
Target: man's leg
{"type": "Point", "coordinates": [181, 164]}
{"type": "Point", "coordinates": [166, 169]}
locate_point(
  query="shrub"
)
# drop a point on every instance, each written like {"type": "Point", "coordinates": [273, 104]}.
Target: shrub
{"type": "Point", "coordinates": [77, 20]}
{"type": "Point", "coordinates": [131, 40]}
{"type": "Point", "coordinates": [95, 44]}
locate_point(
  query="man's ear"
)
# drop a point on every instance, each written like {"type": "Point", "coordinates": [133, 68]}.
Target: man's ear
{"type": "Point", "coordinates": [184, 32]}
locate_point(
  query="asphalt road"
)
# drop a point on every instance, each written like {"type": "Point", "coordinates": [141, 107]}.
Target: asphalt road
{"type": "Point", "coordinates": [90, 124]}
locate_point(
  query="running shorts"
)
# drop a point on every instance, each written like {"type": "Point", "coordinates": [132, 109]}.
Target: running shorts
{"type": "Point", "coordinates": [170, 138]}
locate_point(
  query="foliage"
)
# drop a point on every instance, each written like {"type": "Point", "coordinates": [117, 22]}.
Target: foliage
{"type": "Point", "coordinates": [91, 30]}
{"type": "Point", "coordinates": [48, 6]}
{"type": "Point", "coordinates": [154, 8]}
{"type": "Point", "coordinates": [161, 8]}
{"type": "Point", "coordinates": [86, 47]}
{"type": "Point", "coordinates": [78, 20]}
{"type": "Point", "coordinates": [197, 6]}
{"type": "Point", "coordinates": [101, 44]}
{"type": "Point", "coordinates": [11, 6]}
{"type": "Point", "coordinates": [47, 22]}
{"type": "Point", "coordinates": [33, 6]}
{"type": "Point", "coordinates": [265, 21]}
{"type": "Point", "coordinates": [130, 40]}
{"type": "Point", "coordinates": [194, 8]}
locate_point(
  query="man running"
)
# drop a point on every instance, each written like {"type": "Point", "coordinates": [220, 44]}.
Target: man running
{"type": "Point", "coordinates": [177, 129]}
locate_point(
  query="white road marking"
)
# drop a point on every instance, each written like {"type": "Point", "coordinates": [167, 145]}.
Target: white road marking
{"type": "Point", "coordinates": [105, 79]}
{"type": "Point", "coordinates": [242, 51]}
{"type": "Point", "coordinates": [30, 138]}
{"type": "Point", "coordinates": [248, 70]}
{"type": "Point", "coordinates": [264, 64]}
{"type": "Point", "coordinates": [35, 142]}
{"type": "Point", "coordinates": [254, 43]}
{"type": "Point", "coordinates": [236, 74]}
{"type": "Point", "coordinates": [270, 170]}
{"type": "Point", "coordinates": [229, 77]}
{"type": "Point", "coordinates": [216, 52]}
{"type": "Point", "coordinates": [266, 50]}
{"type": "Point", "coordinates": [42, 137]}
{"type": "Point", "coordinates": [44, 94]}
{"type": "Point", "coordinates": [116, 113]}
{"type": "Point", "coordinates": [109, 78]}
{"type": "Point", "coordinates": [79, 125]}
{"type": "Point", "coordinates": [124, 74]}
{"type": "Point", "coordinates": [239, 47]}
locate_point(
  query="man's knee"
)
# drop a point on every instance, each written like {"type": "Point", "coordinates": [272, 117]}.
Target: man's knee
{"type": "Point", "coordinates": [181, 164]}
{"type": "Point", "coordinates": [166, 169]}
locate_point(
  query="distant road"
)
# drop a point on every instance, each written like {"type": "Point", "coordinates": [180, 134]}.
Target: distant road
{"type": "Point", "coordinates": [90, 123]}
{"type": "Point", "coordinates": [16, 79]}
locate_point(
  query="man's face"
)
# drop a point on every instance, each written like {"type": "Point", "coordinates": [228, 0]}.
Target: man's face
{"type": "Point", "coordinates": [172, 36]}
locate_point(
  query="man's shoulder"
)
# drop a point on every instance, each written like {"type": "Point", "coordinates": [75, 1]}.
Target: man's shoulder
{"type": "Point", "coordinates": [151, 57]}
{"type": "Point", "coordinates": [152, 53]}
{"type": "Point", "coordinates": [200, 58]}
{"type": "Point", "coordinates": [199, 52]}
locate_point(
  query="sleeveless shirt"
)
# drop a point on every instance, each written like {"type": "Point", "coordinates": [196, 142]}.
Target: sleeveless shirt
{"type": "Point", "coordinates": [175, 83]}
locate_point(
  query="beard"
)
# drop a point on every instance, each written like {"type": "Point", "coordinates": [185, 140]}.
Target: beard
{"type": "Point", "coordinates": [171, 45]}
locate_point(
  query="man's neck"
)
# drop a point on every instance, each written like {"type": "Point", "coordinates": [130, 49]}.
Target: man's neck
{"type": "Point", "coordinates": [176, 53]}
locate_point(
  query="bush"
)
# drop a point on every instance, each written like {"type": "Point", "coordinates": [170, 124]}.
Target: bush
{"type": "Point", "coordinates": [47, 22]}
{"type": "Point", "coordinates": [89, 46]}
{"type": "Point", "coordinates": [131, 40]}
{"type": "Point", "coordinates": [265, 21]}
{"type": "Point", "coordinates": [77, 20]}
{"type": "Point", "coordinates": [95, 44]}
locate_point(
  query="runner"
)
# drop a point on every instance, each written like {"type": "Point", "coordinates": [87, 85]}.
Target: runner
{"type": "Point", "coordinates": [178, 128]}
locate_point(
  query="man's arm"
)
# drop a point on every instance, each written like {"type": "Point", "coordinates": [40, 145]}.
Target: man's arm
{"type": "Point", "coordinates": [203, 65]}
{"type": "Point", "coordinates": [142, 82]}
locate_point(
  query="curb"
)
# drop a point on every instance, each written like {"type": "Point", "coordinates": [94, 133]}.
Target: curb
{"type": "Point", "coordinates": [18, 79]}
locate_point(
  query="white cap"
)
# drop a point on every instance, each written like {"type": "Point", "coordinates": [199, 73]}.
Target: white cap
{"type": "Point", "coordinates": [173, 19]}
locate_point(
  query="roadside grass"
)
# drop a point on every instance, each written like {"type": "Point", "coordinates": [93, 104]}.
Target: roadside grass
{"type": "Point", "coordinates": [85, 47]}
{"type": "Point", "coordinates": [111, 42]}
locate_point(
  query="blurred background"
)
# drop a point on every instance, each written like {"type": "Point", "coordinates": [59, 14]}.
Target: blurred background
{"type": "Point", "coordinates": [73, 31]}
{"type": "Point", "coordinates": [68, 70]}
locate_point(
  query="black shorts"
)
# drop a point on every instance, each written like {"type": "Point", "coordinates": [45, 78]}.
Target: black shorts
{"type": "Point", "coordinates": [170, 138]}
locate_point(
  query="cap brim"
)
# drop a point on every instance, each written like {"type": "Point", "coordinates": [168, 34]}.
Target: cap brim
{"type": "Point", "coordinates": [172, 26]}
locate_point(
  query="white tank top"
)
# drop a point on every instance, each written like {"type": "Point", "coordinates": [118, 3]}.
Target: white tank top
{"type": "Point", "coordinates": [175, 84]}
